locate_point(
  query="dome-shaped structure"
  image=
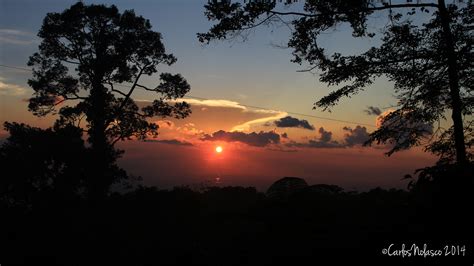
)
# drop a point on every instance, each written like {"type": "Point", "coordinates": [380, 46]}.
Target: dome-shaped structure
{"type": "Point", "coordinates": [285, 187]}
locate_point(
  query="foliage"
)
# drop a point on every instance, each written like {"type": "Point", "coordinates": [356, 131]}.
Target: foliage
{"type": "Point", "coordinates": [430, 64]}
{"type": "Point", "coordinates": [86, 52]}
{"type": "Point", "coordinates": [38, 164]}
{"type": "Point", "coordinates": [236, 225]}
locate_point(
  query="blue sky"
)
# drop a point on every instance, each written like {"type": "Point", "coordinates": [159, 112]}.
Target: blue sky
{"type": "Point", "coordinates": [253, 72]}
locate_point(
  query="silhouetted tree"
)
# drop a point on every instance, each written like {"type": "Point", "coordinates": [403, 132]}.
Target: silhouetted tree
{"type": "Point", "coordinates": [85, 53]}
{"type": "Point", "coordinates": [431, 64]}
{"type": "Point", "coordinates": [285, 187]}
{"type": "Point", "coordinates": [40, 164]}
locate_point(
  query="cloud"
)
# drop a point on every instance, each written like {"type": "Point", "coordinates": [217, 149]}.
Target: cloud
{"type": "Point", "coordinates": [284, 135]}
{"type": "Point", "coordinates": [190, 130]}
{"type": "Point", "coordinates": [356, 136]}
{"type": "Point", "coordinates": [326, 136]}
{"type": "Point", "coordinates": [259, 139]}
{"type": "Point", "coordinates": [213, 115]}
{"type": "Point", "coordinates": [214, 103]}
{"type": "Point", "coordinates": [16, 37]}
{"type": "Point", "coordinates": [11, 89]}
{"type": "Point", "coordinates": [289, 121]}
{"type": "Point", "coordinates": [372, 110]}
{"type": "Point", "coordinates": [269, 114]}
{"type": "Point", "coordinates": [246, 126]}
{"type": "Point", "coordinates": [353, 137]}
{"type": "Point", "coordinates": [14, 32]}
{"type": "Point", "coordinates": [324, 141]}
{"type": "Point", "coordinates": [274, 114]}
{"type": "Point", "coordinates": [170, 141]}
{"type": "Point", "coordinates": [165, 124]}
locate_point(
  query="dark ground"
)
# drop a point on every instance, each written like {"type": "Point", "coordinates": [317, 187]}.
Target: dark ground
{"type": "Point", "coordinates": [238, 226]}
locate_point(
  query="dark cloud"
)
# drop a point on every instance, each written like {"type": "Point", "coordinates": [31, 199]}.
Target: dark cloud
{"type": "Point", "coordinates": [372, 110]}
{"type": "Point", "coordinates": [326, 136]}
{"type": "Point", "coordinates": [289, 121]}
{"type": "Point", "coordinates": [259, 139]}
{"type": "Point", "coordinates": [324, 141]}
{"type": "Point", "coordinates": [170, 141]}
{"type": "Point", "coordinates": [356, 136]}
{"type": "Point", "coordinates": [284, 135]}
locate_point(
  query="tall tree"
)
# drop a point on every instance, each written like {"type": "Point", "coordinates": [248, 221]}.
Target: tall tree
{"type": "Point", "coordinates": [86, 52]}
{"type": "Point", "coordinates": [431, 64]}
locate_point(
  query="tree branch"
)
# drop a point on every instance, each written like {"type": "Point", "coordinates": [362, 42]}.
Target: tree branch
{"type": "Point", "coordinates": [80, 120]}
{"type": "Point", "coordinates": [117, 139]}
{"type": "Point", "coordinates": [117, 91]}
{"type": "Point", "coordinates": [66, 98]}
{"type": "Point", "coordinates": [373, 8]}
{"type": "Point", "coordinates": [71, 62]}
{"type": "Point", "coordinates": [60, 102]}
{"type": "Point", "coordinates": [145, 88]}
{"type": "Point", "coordinates": [308, 69]}
{"type": "Point", "coordinates": [260, 23]}
{"type": "Point", "coordinates": [127, 96]}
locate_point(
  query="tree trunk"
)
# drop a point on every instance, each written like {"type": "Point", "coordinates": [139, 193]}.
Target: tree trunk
{"type": "Point", "coordinates": [102, 151]}
{"type": "Point", "coordinates": [100, 147]}
{"type": "Point", "coordinates": [456, 103]}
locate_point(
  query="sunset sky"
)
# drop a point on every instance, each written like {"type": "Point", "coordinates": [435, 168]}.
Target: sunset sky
{"type": "Point", "coordinates": [260, 145]}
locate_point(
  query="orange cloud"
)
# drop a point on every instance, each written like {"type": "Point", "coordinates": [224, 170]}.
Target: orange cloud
{"type": "Point", "coordinates": [165, 124]}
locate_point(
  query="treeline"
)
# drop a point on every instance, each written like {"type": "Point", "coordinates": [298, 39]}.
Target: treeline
{"type": "Point", "coordinates": [233, 226]}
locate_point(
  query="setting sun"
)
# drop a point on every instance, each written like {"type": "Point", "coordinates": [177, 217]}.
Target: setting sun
{"type": "Point", "coordinates": [219, 149]}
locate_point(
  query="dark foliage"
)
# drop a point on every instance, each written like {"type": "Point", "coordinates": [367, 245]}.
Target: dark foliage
{"type": "Point", "coordinates": [430, 64]}
{"type": "Point", "coordinates": [35, 162]}
{"type": "Point", "coordinates": [87, 56]}
{"type": "Point", "coordinates": [47, 166]}
{"type": "Point", "coordinates": [85, 51]}
{"type": "Point", "coordinates": [238, 226]}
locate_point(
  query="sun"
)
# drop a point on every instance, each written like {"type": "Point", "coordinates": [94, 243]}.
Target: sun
{"type": "Point", "coordinates": [219, 149]}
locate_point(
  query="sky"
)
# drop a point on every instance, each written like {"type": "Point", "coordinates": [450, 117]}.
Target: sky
{"type": "Point", "coordinates": [260, 145]}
